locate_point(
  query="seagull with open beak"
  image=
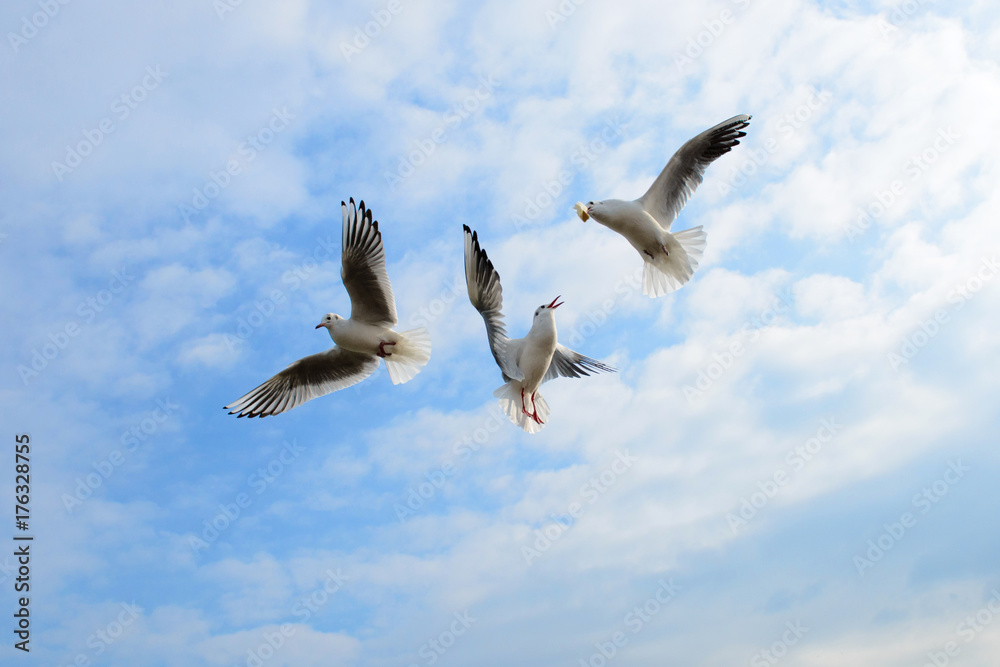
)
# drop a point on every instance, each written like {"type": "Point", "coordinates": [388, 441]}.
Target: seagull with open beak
{"type": "Point", "coordinates": [525, 362]}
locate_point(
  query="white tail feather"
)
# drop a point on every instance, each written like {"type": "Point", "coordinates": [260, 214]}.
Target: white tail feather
{"type": "Point", "coordinates": [672, 272]}
{"type": "Point", "coordinates": [509, 397]}
{"type": "Point", "coordinates": [409, 355]}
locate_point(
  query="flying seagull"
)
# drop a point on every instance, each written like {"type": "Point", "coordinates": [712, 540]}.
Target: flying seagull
{"type": "Point", "coordinates": [360, 340]}
{"type": "Point", "coordinates": [524, 362]}
{"type": "Point", "coordinates": [669, 260]}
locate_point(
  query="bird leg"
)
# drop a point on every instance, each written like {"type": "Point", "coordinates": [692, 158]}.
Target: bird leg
{"type": "Point", "coordinates": [535, 409]}
{"type": "Point", "coordinates": [665, 251]}
{"type": "Point", "coordinates": [381, 349]}
{"type": "Point", "coordinates": [523, 409]}
{"type": "Point", "coordinates": [649, 253]}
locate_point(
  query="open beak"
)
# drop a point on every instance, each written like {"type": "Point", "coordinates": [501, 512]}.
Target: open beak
{"type": "Point", "coordinates": [555, 305]}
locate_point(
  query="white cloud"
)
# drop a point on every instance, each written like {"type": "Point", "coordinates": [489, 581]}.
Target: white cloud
{"type": "Point", "coordinates": [813, 313]}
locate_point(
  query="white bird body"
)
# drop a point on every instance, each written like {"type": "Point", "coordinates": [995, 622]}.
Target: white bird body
{"type": "Point", "coordinates": [360, 340]}
{"type": "Point", "coordinates": [533, 353]}
{"type": "Point", "coordinates": [525, 362]}
{"type": "Point", "coordinates": [360, 336]}
{"type": "Point", "coordinates": [669, 259]}
{"type": "Point", "coordinates": [633, 222]}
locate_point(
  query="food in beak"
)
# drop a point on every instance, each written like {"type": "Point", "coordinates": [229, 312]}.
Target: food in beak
{"type": "Point", "coordinates": [581, 211]}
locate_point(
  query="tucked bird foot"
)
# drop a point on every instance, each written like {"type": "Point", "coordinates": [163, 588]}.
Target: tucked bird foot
{"type": "Point", "coordinates": [665, 251]}
{"type": "Point", "coordinates": [649, 253]}
{"type": "Point", "coordinates": [535, 408]}
{"type": "Point", "coordinates": [381, 349]}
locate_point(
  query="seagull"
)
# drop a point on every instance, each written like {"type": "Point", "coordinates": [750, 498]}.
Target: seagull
{"type": "Point", "coordinates": [524, 362]}
{"type": "Point", "coordinates": [669, 260]}
{"type": "Point", "coordinates": [361, 340]}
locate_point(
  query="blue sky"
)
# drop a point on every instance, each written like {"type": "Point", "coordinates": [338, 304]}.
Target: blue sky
{"type": "Point", "coordinates": [795, 465]}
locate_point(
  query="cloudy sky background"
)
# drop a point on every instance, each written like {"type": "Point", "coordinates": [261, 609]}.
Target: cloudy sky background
{"type": "Point", "coordinates": [140, 299]}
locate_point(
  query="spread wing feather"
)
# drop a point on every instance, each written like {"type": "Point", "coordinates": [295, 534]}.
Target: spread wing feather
{"type": "Point", "coordinates": [486, 295]}
{"type": "Point", "coordinates": [685, 170]}
{"type": "Point", "coordinates": [304, 380]}
{"type": "Point", "coordinates": [363, 268]}
{"type": "Point", "coordinates": [567, 363]}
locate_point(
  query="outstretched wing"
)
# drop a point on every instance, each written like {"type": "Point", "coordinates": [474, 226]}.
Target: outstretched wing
{"type": "Point", "coordinates": [685, 170]}
{"type": "Point", "coordinates": [363, 268]}
{"type": "Point", "coordinates": [304, 380]}
{"type": "Point", "coordinates": [569, 364]}
{"type": "Point", "coordinates": [486, 295]}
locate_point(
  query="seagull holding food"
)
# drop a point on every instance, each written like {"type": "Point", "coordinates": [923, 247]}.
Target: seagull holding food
{"type": "Point", "coordinates": [361, 340]}
{"type": "Point", "coordinates": [524, 362]}
{"type": "Point", "coordinates": [669, 260]}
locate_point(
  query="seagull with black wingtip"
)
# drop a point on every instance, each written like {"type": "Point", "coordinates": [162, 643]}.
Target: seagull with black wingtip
{"type": "Point", "coordinates": [669, 259]}
{"type": "Point", "coordinates": [361, 340]}
{"type": "Point", "coordinates": [524, 362]}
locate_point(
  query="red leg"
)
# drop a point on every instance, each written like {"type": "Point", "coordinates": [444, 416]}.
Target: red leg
{"type": "Point", "coordinates": [381, 349]}
{"type": "Point", "coordinates": [523, 409]}
{"type": "Point", "coordinates": [534, 407]}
